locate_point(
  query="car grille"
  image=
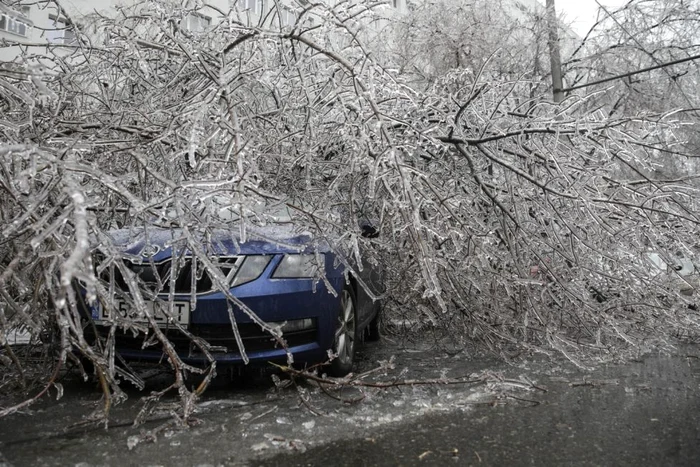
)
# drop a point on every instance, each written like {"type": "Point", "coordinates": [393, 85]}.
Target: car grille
{"type": "Point", "coordinates": [157, 276]}
{"type": "Point", "coordinates": [218, 335]}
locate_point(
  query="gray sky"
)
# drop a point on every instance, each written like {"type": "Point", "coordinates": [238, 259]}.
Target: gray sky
{"type": "Point", "coordinates": [581, 14]}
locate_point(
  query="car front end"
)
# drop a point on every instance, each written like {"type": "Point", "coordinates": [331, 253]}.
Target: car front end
{"type": "Point", "coordinates": [289, 285]}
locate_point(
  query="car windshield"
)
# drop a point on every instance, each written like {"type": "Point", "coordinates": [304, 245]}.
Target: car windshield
{"type": "Point", "coordinates": [277, 213]}
{"type": "Point", "coordinates": [225, 218]}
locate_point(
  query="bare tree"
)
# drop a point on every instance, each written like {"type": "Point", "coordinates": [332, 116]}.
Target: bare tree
{"type": "Point", "coordinates": [639, 36]}
{"type": "Point", "coordinates": [434, 38]}
{"type": "Point", "coordinates": [504, 216]}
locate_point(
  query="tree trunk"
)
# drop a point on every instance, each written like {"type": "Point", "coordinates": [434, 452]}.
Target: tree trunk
{"type": "Point", "coordinates": [554, 56]}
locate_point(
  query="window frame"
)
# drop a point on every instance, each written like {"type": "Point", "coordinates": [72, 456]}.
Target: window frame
{"type": "Point", "coordinates": [258, 7]}
{"type": "Point", "coordinates": [285, 15]}
{"type": "Point", "coordinates": [15, 22]}
{"type": "Point", "coordinates": [67, 30]}
{"type": "Point", "coordinates": [200, 18]}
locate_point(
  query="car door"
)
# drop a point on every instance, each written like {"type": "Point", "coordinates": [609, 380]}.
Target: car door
{"type": "Point", "coordinates": [371, 284]}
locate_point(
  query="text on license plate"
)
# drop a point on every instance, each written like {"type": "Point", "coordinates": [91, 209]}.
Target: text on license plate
{"type": "Point", "coordinates": [180, 312]}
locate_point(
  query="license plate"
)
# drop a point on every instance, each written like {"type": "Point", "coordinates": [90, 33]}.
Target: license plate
{"type": "Point", "coordinates": [159, 311]}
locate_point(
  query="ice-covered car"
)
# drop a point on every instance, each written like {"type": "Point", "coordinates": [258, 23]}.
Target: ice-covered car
{"type": "Point", "coordinates": [289, 281]}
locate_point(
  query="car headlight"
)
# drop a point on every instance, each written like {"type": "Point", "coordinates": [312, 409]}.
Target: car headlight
{"type": "Point", "coordinates": [298, 266]}
{"type": "Point", "coordinates": [251, 269]}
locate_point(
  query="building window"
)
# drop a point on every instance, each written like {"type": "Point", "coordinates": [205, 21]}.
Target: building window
{"type": "Point", "coordinates": [17, 24]}
{"type": "Point", "coordinates": [252, 6]}
{"type": "Point", "coordinates": [62, 32]}
{"type": "Point", "coordinates": [194, 22]}
{"type": "Point", "coordinates": [287, 16]}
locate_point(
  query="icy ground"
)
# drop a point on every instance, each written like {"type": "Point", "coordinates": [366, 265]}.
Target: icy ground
{"type": "Point", "coordinates": [264, 417]}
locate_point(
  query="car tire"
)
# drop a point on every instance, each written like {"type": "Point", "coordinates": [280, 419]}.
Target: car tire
{"type": "Point", "coordinates": [372, 334]}
{"type": "Point", "coordinates": [345, 337]}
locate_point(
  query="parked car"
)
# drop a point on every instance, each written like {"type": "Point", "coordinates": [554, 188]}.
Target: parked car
{"type": "Point", "coordinates": [681, 269]}
{"type": "Point", "coordinates": [276, 273]}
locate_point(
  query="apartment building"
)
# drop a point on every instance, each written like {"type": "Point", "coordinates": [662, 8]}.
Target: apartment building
{"type": "Point", "coordinates": [38, 23]}
{"type": "Point", "coordinates": [34, 24]}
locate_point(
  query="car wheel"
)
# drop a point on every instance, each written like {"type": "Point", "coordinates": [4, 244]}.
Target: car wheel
{"type": "Point", "coordinates": [372, 334]}
{"type": "Point", "coordinates": [345, 335]}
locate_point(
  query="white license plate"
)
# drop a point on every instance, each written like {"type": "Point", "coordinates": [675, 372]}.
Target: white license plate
{"type": "Point", "coordinates": [160, 312]}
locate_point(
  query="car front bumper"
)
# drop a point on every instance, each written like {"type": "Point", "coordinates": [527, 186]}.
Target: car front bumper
{"type": "Point", "coordinates": [273, 301]}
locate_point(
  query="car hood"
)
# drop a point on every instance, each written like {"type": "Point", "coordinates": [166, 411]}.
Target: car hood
{"type": "Point", "coordinates": [158, 243]}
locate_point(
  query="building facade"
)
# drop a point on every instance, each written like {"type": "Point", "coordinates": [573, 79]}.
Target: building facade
{"type": "Point", "coordinates": [39, 23]}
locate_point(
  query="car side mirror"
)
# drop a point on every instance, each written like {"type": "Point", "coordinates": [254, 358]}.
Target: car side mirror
{"type": "Point", "coordinates": [369, 231]}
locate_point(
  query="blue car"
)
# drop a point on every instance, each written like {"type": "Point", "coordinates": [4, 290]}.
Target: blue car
{"type": "Point", "coordinates": [277, 274]}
